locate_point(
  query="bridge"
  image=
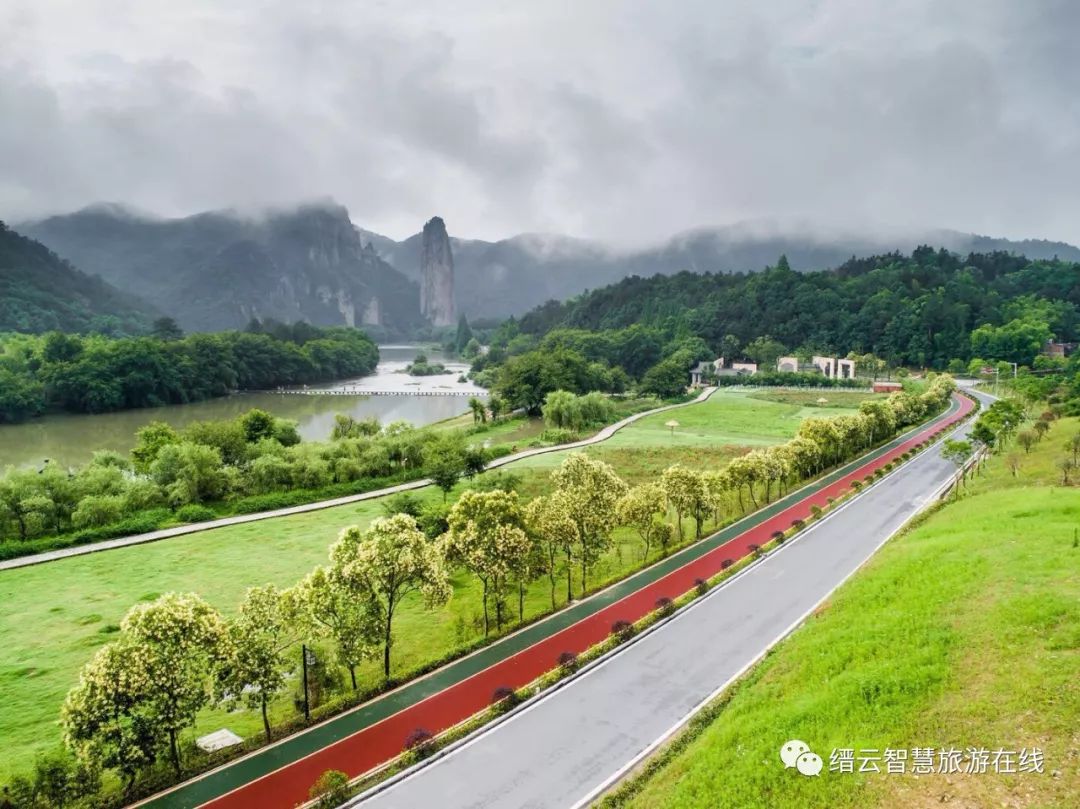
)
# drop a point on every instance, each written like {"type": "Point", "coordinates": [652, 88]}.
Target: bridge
{"type": "Point", "coordinates": [358, 391]}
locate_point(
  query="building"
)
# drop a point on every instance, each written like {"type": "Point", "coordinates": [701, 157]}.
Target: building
{"type": "Point", "coordinates": [1061, 350]}
{"type": "Point", "coordinates": [830, 367]}
{"type": "Point", "coordinates": [881, 386]}
{"type": "Point", "coordinates": [701, 373]}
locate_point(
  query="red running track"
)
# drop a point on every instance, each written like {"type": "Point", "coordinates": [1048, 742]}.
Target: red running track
{"type": "Point", "coordinates": [368, 748]}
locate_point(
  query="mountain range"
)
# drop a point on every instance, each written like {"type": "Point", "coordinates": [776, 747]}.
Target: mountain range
{"type": "Point", "coordinates": [219, 269]}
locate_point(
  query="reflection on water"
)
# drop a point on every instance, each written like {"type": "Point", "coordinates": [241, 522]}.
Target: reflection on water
{"type": "Point", "coordinates": [72, 439]}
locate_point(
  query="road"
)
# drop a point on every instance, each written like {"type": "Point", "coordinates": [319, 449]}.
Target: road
{"type": "Point", "coordinates": [563, 750]}
{"type": "Point", "coordinates": [193, 528]}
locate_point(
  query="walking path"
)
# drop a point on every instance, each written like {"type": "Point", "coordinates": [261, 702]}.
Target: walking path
{"type": "Point", "coordinates": [356, 741]}
{"type": "Point", "coordinates": [193, 528]}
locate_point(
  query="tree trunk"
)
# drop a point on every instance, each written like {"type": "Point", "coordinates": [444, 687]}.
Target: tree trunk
{"type": "Point", "coordinates": [521, 603]}
{"type": "Point", "coordinates": [265, 718]}
{"type": "Point", "coordinates": [569, 573]}
{"type": "Point", "coordinates": [486, 626]}
{"type": "Point", "coordinates": [174, 750]}
{"type": "Point", "coordinates": [386, 649]}
{"type": "Point", "coordinates": [752, 498]}
{"type": "Point", "coordinates": [352, 674]}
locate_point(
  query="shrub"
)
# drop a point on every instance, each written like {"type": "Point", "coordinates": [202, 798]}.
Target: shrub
{"type": "Point", "coordinates": [815, 511]}
{"type": "Point", "coordinates": [830, 500]}
{"type": "Point", "coordinates": [568, 661]}
{"type": "Point", "coordinates": [726, 564]}
{"type": "Point", "coordinates": [779, 537]}
{"type": "Point", "coordinates": [195, 513]}
{"type": "Point", "coordinates": [665, 606]}
{"type": "Point", "coordinates": [701, 586]}
{"type": "Point", "coordinates": [868, 479]}
{"type": "Point", "coordinates": [755, 550]}
{"type": "Point", "coordinates": [330, 790]}
{"type": "Point", "coordinates": [505, 697]}
{"type": "Point", "coordinates": [878, 473]}
{"type": "Point", "coordinates": [421, 743]}
{"type": "Point", "coordinates": [622, 629]}
{"type": "Point", "coordinates": [798, 525]}
{"type": "Point", "coordinates": [856, 485]}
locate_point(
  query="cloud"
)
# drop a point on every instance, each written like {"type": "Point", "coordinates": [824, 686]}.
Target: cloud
{"type": "Point", "coordinates": [619, 119]}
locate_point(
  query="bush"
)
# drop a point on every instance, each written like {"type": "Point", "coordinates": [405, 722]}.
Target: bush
{"type": "Point", "coordinates": [755, 550]}
{"type": "Point", "coordinates": [726, 564]}
{"type": "Point", "coordinates": [195, 513]}
{"type": "Point", "coordinates": [622, 629]}
{"type": "Point", "coordinates": [331, 790]}
{"type": "Point", "coordinates": [778, 537]}
{"type": "Point", "coordinates": [868, 479]}
{"type": "Point", "coordinates": [665, 606]}
{"type": "Point", "coordinates": [878, 473]}
{"type": "Point", "coordinates": [798, 525]}
{"type": "Point", "coordinates": [504, 697]}
{"type": "Point", "coordinates": [557, 435]}
{"type": "Point", "coordinates": [568, 661]}
{"type": "Point", "coordinates": [421, 743]}
{"type": "Point", "coordinates": [701, 586]}
{"type": "Point", "coordinates": [856, 485]}
{"type": "Point", "coordinates": [815, 511]}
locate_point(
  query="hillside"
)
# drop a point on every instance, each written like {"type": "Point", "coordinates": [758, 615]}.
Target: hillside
{"type": "Point", "coordinates": [510, 276]}
{"type": "Point", "coordinates": [218, 270]}
{"type": "Point", "coordinates": [40, 292]}
{"type": "Point", "coordinates": [919, 309]}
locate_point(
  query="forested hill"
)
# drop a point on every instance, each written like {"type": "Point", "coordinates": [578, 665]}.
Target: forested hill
{"type": "Point", "coordinates": [920, 309]}
{"type": "Point", "coordinates": [40, 292]}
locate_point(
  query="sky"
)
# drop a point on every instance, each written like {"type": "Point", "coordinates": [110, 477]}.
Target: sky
{"type": "Point", "coordinates": [620, 120]}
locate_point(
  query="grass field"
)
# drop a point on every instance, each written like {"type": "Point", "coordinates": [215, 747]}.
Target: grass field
{"type": "Point", "coordinates": [57, 614]}
{"type": "Point", "coordinates": [964, 632]}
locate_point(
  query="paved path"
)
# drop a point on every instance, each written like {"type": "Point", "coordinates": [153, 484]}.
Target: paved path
{"type": "Point", "coordinates": [193, 528]}
{"type": "Point", "coordinates": [566, 748]}
{"type": "Point", "coordinates": [356, 741]}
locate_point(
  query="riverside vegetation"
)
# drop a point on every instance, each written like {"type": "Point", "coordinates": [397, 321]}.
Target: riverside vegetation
{"type": "Point", "coordinates": [176, 656]}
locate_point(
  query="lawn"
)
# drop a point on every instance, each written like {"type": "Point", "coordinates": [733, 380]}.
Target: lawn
{"type": "Point", "coordinates": [964, 632]}
{"type": "Point", "coordinates": [57, 614]}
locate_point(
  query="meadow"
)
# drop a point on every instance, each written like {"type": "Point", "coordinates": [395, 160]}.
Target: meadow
{"type": "Point", "coordinates": [962, 632]}
{"type": "Point", "coordinates": [58, 613]}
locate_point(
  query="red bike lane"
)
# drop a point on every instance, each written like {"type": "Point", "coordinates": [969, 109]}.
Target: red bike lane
{"type": "Point", "coordinates": [380, 742]}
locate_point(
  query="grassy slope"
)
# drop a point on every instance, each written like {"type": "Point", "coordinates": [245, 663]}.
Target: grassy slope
{"type": "Point", "coordinates": [963, 632]}
{"type": "Point", "coordinates": [57, 614]}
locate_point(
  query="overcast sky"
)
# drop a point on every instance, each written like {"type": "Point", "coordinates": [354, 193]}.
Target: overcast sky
{"type": "Point", "coordinates": [616, 119]}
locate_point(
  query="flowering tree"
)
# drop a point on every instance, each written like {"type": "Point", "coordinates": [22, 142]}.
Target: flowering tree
{"type": "Point", "coordinates": [556, 534]}
{"type": "Point", "coordinates": [590, 492]}
{"type": "Point", "coordinates": [642, 508]}
{"type": "Point", "coordinates": [254, 669]}
{"type": "Point", "coordinates": [685, 491]}
{"type": "Point", "coordinates": [485, 535]}
{"type": "Point", "coordinates": [325, 600]}
{"type": "Point", "coordinates": [382, 565]}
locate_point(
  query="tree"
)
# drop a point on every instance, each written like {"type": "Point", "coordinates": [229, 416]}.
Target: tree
{"type": "Point", "coordinates": [444, 461]}
{"type": "Point", "coordinates": [326, 600]}
{"type": "Point", "coordinates": [497, 407]}
{"type": "Point", "coordinates": [464, 335]}
{"type": "Point", "coordinates": [957, 452]}
{"type": "Point", "coordinates": [1067, 465]}
{"type": "Point", "coordinates": [1041, 427]}
{"type": "Point", "coordinates": [479, 412]}
{"type": "Point", "coordinates": [685, 492]}
{"type": "Point", "coordinates": [165, 328]}
{"type": "Point", "coordinates": [765, 351]}
{"type": "Point", "coordinates": [1073, 446]}
{"type": "Point", "coordinates": [384, 564]}
{"type": "Point", "coordinates": [254, 669]}
{"type": "Point", "coordinates": [642, 508]}
{"type": "Point", "coordinates": [149, 441]}
{"type": "Point", "coordinates": [1026, 439]}
{"type": "Point", "coordinates": [1013, 462]}
{"type": "Point", "coordinates": [590, 491]}
{"type": "Point", "coordinates": [555, 532]}
{"type": "Point", "coordinates": [561, 410]}
{"type": "Point", "coordinates": [331, 790]}
{"type": "Point", "coordinates": [668, 378]}
{"type": "Point", "coordinates": [485, 535]}
{"type": "Point", "coordinates": [105, 717]}
{"type": "Point", "coordinates": [256, 425]}
{"type": "Point", "coordinates": [137, 694]}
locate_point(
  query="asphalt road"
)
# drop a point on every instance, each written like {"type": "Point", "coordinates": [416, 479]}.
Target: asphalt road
{"type": "Point", "coordinates": [562, 750]}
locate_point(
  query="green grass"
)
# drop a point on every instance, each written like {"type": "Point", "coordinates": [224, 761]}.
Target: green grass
{"type": "Point", "coordinates": [57, 614]}
{"type": "Point", "coordinates": [963, 632]}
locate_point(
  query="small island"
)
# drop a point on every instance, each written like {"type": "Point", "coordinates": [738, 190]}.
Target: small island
{"type": "Point", "coordinates": [421, 367]}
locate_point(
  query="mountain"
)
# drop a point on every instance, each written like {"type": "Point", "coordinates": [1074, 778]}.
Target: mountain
{"type": "Point", "coordinates": [39, 292]}
{"type": "Point", "coordinates": [218, 270]}
{"type": "Point", "coordinates": [508, 277]}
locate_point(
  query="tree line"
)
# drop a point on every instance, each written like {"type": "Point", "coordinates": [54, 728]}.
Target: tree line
{"type": "Point", "coordinates": [177, 655]}
{"type": "Point", "coordinates": [932, 309]}
{"type": "Point", "coordinates": [95, 374]}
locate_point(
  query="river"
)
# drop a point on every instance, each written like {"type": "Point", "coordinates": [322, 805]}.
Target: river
{"type": "Point", "coordinates": [72, 439]}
